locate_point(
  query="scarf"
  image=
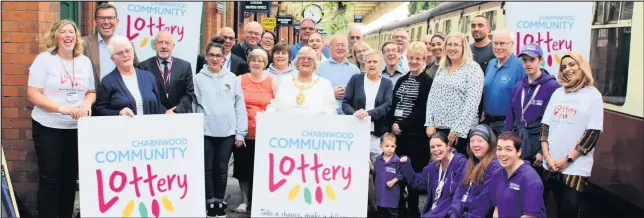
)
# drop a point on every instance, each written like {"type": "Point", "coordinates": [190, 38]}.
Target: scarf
{"type": "Point", "coordinates": [575, 81]}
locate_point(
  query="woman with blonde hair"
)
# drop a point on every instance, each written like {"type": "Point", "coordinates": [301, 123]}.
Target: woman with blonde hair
{"type": "Point", "coordinates": [571, 125]}
{"type": "Point", "coordinates": [304, 92]}
{"type": "Point", "coordinates": [258, 92]}
{"type": "Point", "coordinates": [453, 102]}
{"type": "Point", "coordinates": [407, 115]}
{"type": "Point", "coordinates": [61, 86]}
{"type": "Point", "coordinates": [357, 51]}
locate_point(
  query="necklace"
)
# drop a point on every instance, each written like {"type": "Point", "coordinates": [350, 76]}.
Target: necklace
{"type": "Point", "coordinates": [301, 97]}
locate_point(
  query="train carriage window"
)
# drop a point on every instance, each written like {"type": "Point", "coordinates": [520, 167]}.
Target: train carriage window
{"type": "Point", "coordinates": [447, 26]}
{"type": "Point", "coordinates": [609, 58]}
{"type": "Point", "coordinates": [436, 27]}
{"type": "Point", "coordinates": [418, 34]}
{"type": "Point", "coordinates": [411, 39]}
{"type": "Point", "coordinates": [491, 16]}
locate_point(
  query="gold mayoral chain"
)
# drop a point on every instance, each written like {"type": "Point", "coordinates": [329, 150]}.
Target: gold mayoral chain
{"type": "Point", "coordinates": [301, 97]}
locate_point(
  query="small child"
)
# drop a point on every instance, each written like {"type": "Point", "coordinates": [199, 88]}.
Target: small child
{"type": "Point", "coordinates": [388, 172]}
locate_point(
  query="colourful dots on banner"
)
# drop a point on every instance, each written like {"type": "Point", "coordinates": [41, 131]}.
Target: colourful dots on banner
{"type": "Point", "coordinates": [143, 211]}
{"type": "Point", "coordinates": [129, 207]}
{"type": "Point", "coordinates": [318, 195]}
{"type": "Point", "coordinates": [155, 208]}
{"type": "Point", "coordinates": [330, 192]}
{"type": "Point", "coordinates": [557, 59]}
{"type": "Point", "coordinates": [294, 191]}
{"type": "Point", "coordinates": [307, 196]}
{"type": "Point", "coordinates": [167, 204]}
{"type": "Point", "coordinates": [144, 42]}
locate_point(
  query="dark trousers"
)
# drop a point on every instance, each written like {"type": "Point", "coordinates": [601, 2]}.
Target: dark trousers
{"type": "Point", "coordinates": [570, 202]}
{"type": "Point", "coordinates": [57, 152]}
{"type": "Point", "coordinates": [416, 147]}
{"type": "Point", "coordinates": [217, 151]}
{"type": "Point", "coordinates": [244, 165]}
{"type": "Point", "coordinates": [387, 212]}
{"type": "Point", "coordinates": [496, 123]}
{"type": "Point", "coordinates": [461, 144]}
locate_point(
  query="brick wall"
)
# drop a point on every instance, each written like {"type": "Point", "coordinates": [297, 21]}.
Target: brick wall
{"type": "Point", "coordinates": [87, 17]}
{"type": "Point", "coordinates": [23, 27]}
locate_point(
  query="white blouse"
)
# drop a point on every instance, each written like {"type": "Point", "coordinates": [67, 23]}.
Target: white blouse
{"type": "Point", "coordinates": [454, 99]}
{"type": "Point", "coordinates": [319, 99]}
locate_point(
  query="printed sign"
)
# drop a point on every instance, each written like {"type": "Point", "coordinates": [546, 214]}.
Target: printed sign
{"type": "Point", "coordinates": [284, 20]}
{"type": "Point", "coordinates": [257, 6]}
{"type": "Point", "coordinates": [268, 23]}
{"type": "Point", "coordinates": [553, 26]}
{"type": "Point", "coordinates": [141, 21]}
{"type": "Point", "coordinates": [310, 166]}
{"type": "Point", "coordinates": [142, 166]}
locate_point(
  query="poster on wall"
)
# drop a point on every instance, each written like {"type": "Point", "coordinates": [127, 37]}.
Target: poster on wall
{"type": "Point", "coordinates": [9, 204]}
{"type": "Point", "coordinates": [310, 166]}
{"type": "Point", "coordinates": [553, 26]}
{"type": "Point", "coordinates": [142, 166]}
{"type": "Point", "coordinates": [140, 22]}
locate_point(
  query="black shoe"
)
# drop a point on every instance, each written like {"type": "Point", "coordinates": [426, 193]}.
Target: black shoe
{"type": "Point", "coordinates": [220, 209]}
{"type": "Point", "coordinates": [211, 210]}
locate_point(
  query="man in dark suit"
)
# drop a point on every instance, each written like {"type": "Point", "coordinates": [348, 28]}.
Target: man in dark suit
{"type": "Point", "coordinates": [173, 75]}
{"type": "Point", "coordinates": [95, 46]}
{"type": "Point", "coordinates": [232, 63]}
{"type": "Point", "coordinates": [252, 35]}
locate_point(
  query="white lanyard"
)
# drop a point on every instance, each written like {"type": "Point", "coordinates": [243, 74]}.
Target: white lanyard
{"type": "Point", "coordinates": [525, 107]}
{"type": "Point", "coordinates": [227, 65]}
{"type": "Point", "coordinates": [466, 193]}
{"type": "Point", "coordinates": [441, 181]}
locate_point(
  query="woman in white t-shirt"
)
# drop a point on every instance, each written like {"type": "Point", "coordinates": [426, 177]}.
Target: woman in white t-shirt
{"type": "Point", "coordinates": [304, 92]}
{"type": "Point", "coordinates": [61, 86]}
{"type": "Point", "coordinates": [571, 126]}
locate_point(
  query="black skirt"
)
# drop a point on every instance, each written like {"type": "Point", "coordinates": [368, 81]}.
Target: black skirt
{"type": "Point", "coordinates": [244, 161]}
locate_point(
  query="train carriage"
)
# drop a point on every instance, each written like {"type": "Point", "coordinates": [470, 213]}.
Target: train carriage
{"type": "Point", "coordinates": [617, 181]}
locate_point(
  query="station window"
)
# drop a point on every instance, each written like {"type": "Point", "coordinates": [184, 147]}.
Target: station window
{"type": "Point", "coordinates": [610, 49]}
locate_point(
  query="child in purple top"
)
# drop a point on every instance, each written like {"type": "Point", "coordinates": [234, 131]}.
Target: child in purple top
{"type": "Point", "coordinates": [387, 170]}
{"type": "Point", "coordinates": [518, 190]}
{"type": "Point", "coordinates": [528, 103]}
{"type": "Point", "coordinates": [472, 198]}
{"type": "Point", "coordinates": [440, 178]}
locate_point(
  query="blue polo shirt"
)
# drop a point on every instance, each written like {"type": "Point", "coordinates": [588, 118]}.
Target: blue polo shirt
{"type": "Point", "coordinates": [498, 84]}
{"type": "Point", "coordinates": [338, 74]}
{"type": "Point", "coordinates": [296, 48]}
{"type": "Point", "coordinates": [520, 194]}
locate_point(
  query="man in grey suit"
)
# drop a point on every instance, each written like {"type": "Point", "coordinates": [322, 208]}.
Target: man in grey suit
{"type": "Point", "coordinates": [95, 46]}
{"type": "Point", "coordinates": [173, 75]}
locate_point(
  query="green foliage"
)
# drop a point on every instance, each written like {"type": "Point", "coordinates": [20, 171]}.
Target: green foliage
{"type": "Point", "coordinates": [337, 22]}
{"type": "Point", "coordinates": [416, 7]}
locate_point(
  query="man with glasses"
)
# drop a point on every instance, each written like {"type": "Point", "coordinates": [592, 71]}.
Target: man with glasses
{"type": "Point", "coordinates": [391, 54]}
{"type": "Point", "coordinates": [252, 35]}
{"type": "Point", "coordinates": [337, 69]}
{"type": "Point", "coordinates": [502, 73]}
{"type": "Point", "coordinates": [307, 27]}
{"type": "Point", "coordinates": [231, 62]}
{"type": "Point", "coordinates": [355, 36]}
{"type": "Point", "coordinates": [173, 75]}
{"type": "Point", "coordinates": [95, 46]}
{"type": "Point", "coordinates": [401, 38]}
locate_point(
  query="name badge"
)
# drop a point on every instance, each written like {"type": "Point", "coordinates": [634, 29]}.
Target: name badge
{"type": "Point", "coordinates": [72, 96]}
{"type": "Point", "coordinates": [398, 112]}
{"type": "Point", "coordinates": [464, 199]}
{"type": "Point", "coordinates": [390, 169]}
{"type": "Point", "coordinates": [514, 186]}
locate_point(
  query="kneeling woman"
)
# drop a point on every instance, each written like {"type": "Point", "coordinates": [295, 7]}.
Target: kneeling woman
{"type": "Point", "coordinates": [439, 178]}
{"type": "Point", "coordinates": [518, 190]}
{"type": "Point", "coordinates": [472, 198]}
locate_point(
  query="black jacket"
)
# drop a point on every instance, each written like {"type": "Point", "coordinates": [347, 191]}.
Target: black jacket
{"type": "Point", "coordinates": [181, 90]}
{"type": "Point", "coordinates": [355, 99]}
{"type": "Point", "coordinates": [415, 122]}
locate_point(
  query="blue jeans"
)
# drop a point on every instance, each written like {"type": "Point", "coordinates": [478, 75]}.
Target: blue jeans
{"type": "Point", "coordinates": [217, 151]}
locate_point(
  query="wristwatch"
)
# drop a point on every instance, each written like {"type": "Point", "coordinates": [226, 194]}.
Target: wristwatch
{"type": "Point", "coordinates": [569, 159]}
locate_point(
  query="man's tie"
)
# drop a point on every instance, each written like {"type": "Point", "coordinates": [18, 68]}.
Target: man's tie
{"type": "Point", "coordinates": [165, 75]}
{"type": "Point", "coordinates": [400, 64]}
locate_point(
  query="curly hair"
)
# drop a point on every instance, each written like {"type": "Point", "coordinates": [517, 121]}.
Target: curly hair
{"type": "Point", "coordinates": [51, 38]}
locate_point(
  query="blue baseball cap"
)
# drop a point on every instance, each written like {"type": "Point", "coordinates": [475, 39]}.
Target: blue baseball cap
{"type": "Point", "coordinates": [532, 50]}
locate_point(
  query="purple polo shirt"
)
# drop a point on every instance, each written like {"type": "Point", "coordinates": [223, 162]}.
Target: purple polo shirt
{"type": "Point", "coordinates": [385, 172]}
{"type": "Point", "coordinates": [477, 203]}
{"type": "Point", "coordinates": [520, 194]}
{"type": "Point", "coordinates": [428, 181]}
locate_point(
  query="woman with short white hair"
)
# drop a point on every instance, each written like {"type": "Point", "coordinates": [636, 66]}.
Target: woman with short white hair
{"type": "Point", "coordinates": [304, 92]}
{"type": "Point", "coordinates": [127, 91]}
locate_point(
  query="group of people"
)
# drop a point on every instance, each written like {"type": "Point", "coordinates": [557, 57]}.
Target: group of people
{"type": "Point", "coordinates": [438, 111]}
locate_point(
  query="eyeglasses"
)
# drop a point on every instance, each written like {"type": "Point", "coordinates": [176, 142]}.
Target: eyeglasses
{"type": "Point", "coordinates": [123, 53]}
{"type": "Point", "coordinates": [253, 33]}
{"type": "Point", "coordinates": [211, 55]}
{"type": "Point", "coordinates": [355, 37]}
{"type": "Point", "coordinates": [389, 51]}
{"type": "Point", "coordinates": [104, 18]}
{"type": "Point", "coordinates": [501, 43]}
{"type": "Point", "coordinates": [230, 38]}
{"type": "Point", "coordinates": [307, 28]}
{"type": "Point", "coordinates": [453, 45]}
{"type": "Point", "coordinates": [305, 59]}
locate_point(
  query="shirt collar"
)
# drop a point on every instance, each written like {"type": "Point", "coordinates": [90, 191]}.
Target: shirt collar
{"type": "Point", "coordinates": [345, 62]}
{"type": "Point", "coordinates": [507, 62]}
{"type": "Point", "coordinates": [170, 60]}
{"type": "Point", "coordinates": [387, 73]}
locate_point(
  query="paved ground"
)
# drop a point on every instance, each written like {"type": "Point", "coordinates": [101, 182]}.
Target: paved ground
{"type": "Point", "coordinates": [235, 197]}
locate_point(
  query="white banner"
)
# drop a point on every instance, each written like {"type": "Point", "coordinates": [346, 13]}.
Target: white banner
{"type": "Point", "coordinates": [557, 26]}
{"type": "Point", "coordinates": [140, 21]}
{"type": "Point", "coordinates": [310, 166]}
{"type": "Point", "coordinates": [145, 166]}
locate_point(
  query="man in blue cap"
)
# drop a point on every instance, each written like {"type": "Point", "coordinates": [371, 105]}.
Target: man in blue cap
{"type": "Point", "coordinates": [530, 97]}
